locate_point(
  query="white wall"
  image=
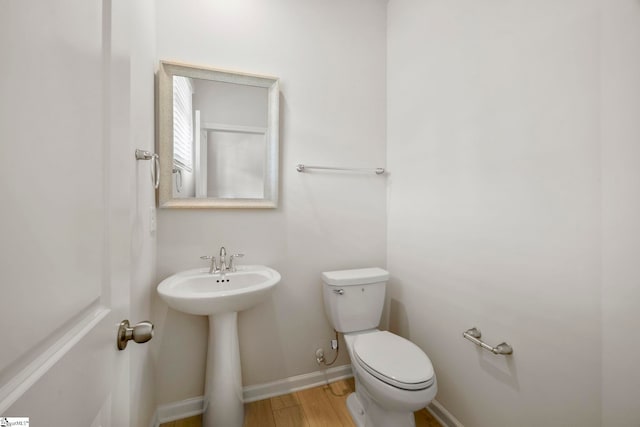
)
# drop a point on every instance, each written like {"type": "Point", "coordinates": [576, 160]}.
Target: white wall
{"type": "Point", "coordinates": [495, 202]}
{"type": "Point", "coordinates": [620, 67]}
{"type": "Point", "coordinates": [513, 195]}
{"type": "Point", "coordinates": [330, 57]}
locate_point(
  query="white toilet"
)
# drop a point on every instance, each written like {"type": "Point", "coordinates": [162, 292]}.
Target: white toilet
{"type": "Point", "coordinates": [394, 377]}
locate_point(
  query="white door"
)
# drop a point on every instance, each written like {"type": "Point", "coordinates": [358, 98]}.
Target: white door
{"type": "Point", "coordinates": [64, 244]}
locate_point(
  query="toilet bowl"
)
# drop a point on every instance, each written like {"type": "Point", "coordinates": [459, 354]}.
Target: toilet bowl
{"type": "Point", "coordinates": [393, 376]}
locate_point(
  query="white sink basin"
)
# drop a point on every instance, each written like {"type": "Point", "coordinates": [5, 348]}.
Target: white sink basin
{"type": "Point", "coordinates": [198, 292]}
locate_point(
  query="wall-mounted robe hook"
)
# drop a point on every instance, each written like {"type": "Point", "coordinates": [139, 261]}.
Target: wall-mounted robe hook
{"type": "Point", "coordinates": [155, 165]}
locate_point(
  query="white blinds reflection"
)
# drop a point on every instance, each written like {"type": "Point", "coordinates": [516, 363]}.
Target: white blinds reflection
{"type": "Point", "coordinates": [183, 122]}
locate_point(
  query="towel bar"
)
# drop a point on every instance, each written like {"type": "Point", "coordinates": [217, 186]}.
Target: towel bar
{"type": "Point", "coordinates": [302, 168]}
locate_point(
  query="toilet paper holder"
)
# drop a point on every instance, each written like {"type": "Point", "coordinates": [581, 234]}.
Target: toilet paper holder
{"type": "Point", "coordinates": [474, 336]}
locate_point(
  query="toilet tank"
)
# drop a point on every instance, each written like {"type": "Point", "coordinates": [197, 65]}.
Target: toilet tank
{"type": "Point", "coordinates": [353, 299]}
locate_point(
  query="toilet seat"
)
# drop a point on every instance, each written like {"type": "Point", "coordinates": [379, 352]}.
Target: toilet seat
{"type": "Point", "coordinates": [393, 360]}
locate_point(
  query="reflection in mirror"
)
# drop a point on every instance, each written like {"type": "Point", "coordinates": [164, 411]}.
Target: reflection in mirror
{"type": "Point", "coordinates": [220, 138]}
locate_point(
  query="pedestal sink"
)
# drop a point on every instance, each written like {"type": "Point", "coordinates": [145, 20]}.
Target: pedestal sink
{"type": "Point", "coordinates": [221, 297]}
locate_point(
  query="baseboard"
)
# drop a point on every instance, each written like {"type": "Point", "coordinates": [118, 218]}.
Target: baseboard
{"type": "Point", "coordinates": [178, 410]}
{"type": "Point", "coordinates": [195, 406]}
{"type": "Point", "coordinates": [443, 416]}
{"type": "Point", "coordinates": [298, 382]}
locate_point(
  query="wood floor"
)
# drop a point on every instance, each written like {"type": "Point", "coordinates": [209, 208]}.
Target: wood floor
{"type": "Point", "coordinates": [323, 406]}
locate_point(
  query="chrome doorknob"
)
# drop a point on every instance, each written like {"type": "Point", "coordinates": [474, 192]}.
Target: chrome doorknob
{"type": "Point", "coordinates": [140, 333]}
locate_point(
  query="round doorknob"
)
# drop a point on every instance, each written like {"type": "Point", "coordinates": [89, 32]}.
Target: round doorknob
{"type": "Point", "coordinates": [140, 333]}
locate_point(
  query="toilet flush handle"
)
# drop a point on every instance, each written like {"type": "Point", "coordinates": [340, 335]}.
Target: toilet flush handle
{"type": "Point", "coordinates": [338, 291]}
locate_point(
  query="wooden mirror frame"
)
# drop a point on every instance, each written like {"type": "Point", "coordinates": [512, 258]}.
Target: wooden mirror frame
{"type": "Point", "coordinates": [166, 72]}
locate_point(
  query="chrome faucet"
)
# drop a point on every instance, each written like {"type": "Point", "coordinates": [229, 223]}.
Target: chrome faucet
{"type": "Point", "coordinates": [223, 260]}
{"type": "Point", "coordinates": [232, 267]}
{"type": "Point", "coordinates": [212, 266]}
{"type": "Point", "coordinates": [222, 267]}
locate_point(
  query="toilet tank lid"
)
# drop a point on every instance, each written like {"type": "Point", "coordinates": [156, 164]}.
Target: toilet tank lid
{"type": "Point", "coordinates": [360, 276]}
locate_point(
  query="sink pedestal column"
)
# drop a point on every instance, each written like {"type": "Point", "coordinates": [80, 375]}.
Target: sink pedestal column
{"type": "Point", "coordinates": [224, 404]}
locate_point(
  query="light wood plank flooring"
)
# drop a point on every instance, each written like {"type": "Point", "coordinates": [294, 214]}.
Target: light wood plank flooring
{"type": "Point", "coordinates": [324, 406]}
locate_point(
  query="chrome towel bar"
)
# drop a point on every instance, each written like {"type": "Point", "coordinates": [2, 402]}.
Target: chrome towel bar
{"type": "Point", "coordinates": [474, 336]}
{"type": "Point", "coordinates": [302, 168]}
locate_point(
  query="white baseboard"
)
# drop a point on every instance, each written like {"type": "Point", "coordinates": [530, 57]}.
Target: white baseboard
{"type": "Point", "coordinates": [195, 406]}
{"type": "Point", "coordinates": [299, 382]}
{"type": "Point", "coordinates": [443, 416]}
{"type": "Point", "coordinates": [178, 410]}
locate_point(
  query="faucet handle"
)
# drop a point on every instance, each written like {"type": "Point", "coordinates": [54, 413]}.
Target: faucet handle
{"type": "Point", "coordinates": [231, 258]}
{"type": "Point", "coordinates": [212, 267]}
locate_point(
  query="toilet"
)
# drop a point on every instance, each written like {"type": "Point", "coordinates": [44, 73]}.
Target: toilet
{"type": "Point", "coordinates": [393, 376]}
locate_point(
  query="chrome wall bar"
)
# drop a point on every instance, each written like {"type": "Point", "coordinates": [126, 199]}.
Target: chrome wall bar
{"type": "Point", "coordinates": [474, 336]}
{"type": "Point", "coordinates": [302, 168]}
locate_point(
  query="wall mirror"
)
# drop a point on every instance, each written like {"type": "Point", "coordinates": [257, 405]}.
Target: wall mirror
{"type": "Point", "coordinates": [218, 138]}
